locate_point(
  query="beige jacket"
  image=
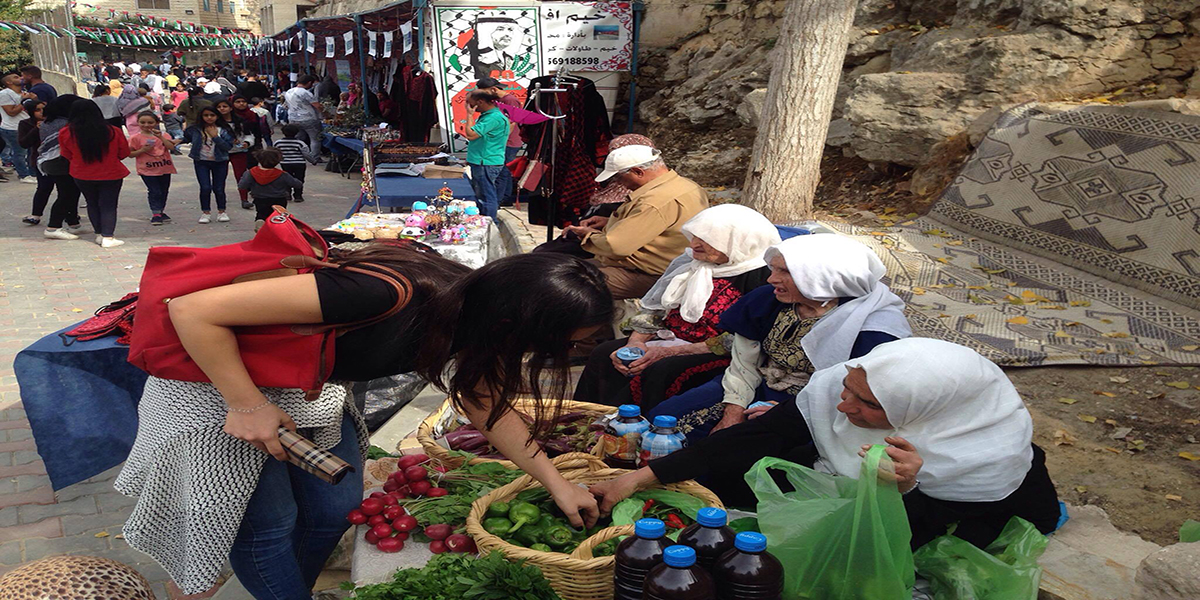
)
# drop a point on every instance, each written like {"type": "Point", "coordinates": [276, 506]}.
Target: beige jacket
{"type": "Point", "coordinates": [644, 233]}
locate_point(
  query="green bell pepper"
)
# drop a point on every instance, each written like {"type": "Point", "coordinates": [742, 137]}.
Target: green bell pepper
{"type": "Point", "coordinates": [521, 513]}
{"type": "Point", "coordinates": [530, 534]}
{"type": "Point", "coordinates": [541, 548]}
{"type": "Point", "coordinates": [558, 536]}
{"type": "Point", "coordinates": [498, 509]}
{"type": "Point", "coordinates": [500, 526]}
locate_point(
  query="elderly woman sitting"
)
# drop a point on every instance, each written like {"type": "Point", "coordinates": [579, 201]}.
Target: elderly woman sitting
{"type": "Point", "coordinates": [677, 328]}
{"type": "Point", "coordinates": [957, 431]}
{"type": "Point", "coordinates": [825, 304]}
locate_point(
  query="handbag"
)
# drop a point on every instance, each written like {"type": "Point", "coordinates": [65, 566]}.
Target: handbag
{"type": "Point", "coordinates": [283, 356]}
{"type": "Point", "coordinates": [115, 318]}
{"type": "Point", "coordinates": [517, 166]}
{"type": "Point", "coordinates": [531, 177]}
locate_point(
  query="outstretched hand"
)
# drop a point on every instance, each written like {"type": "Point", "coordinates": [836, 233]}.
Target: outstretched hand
{"type": "Point", "coordinates": [906, 461]}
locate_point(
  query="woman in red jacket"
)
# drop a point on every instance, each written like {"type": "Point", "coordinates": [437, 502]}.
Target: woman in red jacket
{"type": "Point", "coordinates": [95, 150]}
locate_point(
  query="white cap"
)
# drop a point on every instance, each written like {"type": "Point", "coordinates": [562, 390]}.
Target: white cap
{"type": "Point", "coordinates": [201, 80]}
{"type": "Point", "coordinates": [627, 157]}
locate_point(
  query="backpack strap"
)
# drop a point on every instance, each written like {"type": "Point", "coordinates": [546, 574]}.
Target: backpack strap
{"type": "Point", "coordinates": [393, 278]}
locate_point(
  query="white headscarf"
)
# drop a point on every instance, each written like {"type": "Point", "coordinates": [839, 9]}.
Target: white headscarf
{"type": "Point", "coordinates": [212, 87]}
{"type": "Point", "coordinates": [738, 231]}
{"type": "Point", "coordinates": [957, 409]}
{"type": "Point", "coordinates": [828, 266]}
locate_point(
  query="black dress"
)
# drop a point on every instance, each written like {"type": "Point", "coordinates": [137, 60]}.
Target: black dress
{"type": "Point", "coordinates": [721, 460]}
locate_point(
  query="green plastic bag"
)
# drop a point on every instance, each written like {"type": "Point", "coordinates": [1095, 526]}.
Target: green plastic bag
{"type": "Point", "coordinates": [838, 538]}
{"type": "Point", "coordinates": [1189, 532]}
{"type": "Point", "coordinates": [1007, 570]}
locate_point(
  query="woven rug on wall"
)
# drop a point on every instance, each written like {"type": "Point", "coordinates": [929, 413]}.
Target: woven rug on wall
{"type": "Point", "coordinates": [1109, 190]}
{"type": "Point", "coordinates": [1022, 310]}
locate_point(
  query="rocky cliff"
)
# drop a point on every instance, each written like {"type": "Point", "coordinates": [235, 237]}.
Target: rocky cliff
{"type": "Point", "coordinates": [917, 72]}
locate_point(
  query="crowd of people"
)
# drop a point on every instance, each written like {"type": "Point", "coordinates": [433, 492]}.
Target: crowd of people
{"type": "Point", "coordinates": [224, 117]}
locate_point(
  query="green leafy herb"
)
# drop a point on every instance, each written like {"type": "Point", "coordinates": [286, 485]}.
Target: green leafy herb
{"type": "Point", "coordinates": [376, 453]}
{"type": "Point", "coordinates": [457, 576]}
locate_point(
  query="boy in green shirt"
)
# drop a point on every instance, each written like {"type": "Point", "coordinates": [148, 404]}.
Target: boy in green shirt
{"type": "Point", "coordinates": [487, 137]}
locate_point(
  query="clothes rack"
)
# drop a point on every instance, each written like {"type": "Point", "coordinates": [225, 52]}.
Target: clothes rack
{"type": "Point", "coordinates": [562, 79]}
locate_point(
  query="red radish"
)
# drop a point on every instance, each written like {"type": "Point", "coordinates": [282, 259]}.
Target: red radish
{"type": "Point", "coordinates": [377, 494]}
{"type": "Point", "coordinates": [437, 546]}
{"type": "Point", "coordinates": [415, 473]}
{"type": "Point", "coordinates": [420, 488]}
{"type": "Point", "coordinates": [389, 500]}
{"type": "Point", "coordinates": [391, 486]}
{"type": "Point", "coordinates": [405, 523]}
{"type": "Point", "coordinates": [438, 532]}
{"type": "Point", "coordinates": [437, 492]}
{"type": "Point", "coordinates": [403, 535]}
{"type": "Point", "coordinates": [458, 543]}
{"type": "Point", "coordinates": [398, 477]}
{"type": "Point", "coordinates": [356, 517]}
{"type": "Point", "coordinates": [390, 513]}
{"type": "Point", "coordinates": [372, 506]}
{"type": "Point", "coordinates": [395, 496]}
{"type": "Point", "coordinates": [440, 468]}
{"type": "Point", "coordinates": [376, 520]}
{"type": "Point", "coordinates": [382, 530]}
{"type": "Point", "coordinates": [410, 460]}
{"type": "Point", "coordinates": [371, 538]}
{"type": "Point", "coordinates": [390, 544]}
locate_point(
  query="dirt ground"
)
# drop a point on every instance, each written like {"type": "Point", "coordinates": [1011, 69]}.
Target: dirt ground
{"type": "Point", "coordinates": [1112, 436]}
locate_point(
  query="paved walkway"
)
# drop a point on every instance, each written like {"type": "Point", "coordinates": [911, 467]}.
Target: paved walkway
{"type": "Point", "coordinates": [46, 285]}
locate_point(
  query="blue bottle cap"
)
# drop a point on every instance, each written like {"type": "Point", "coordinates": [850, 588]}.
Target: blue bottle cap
{"type": "Point", "coordinates": [629, 353]}
{"type": "Point", "coordinates": [709, 517]}
{"type": "Point", "coordinates": [650, 529]}
{"type": "Point", "coordinates": [679, 557]}
{"type": "Point", "coordinates": [749, 541]}
{"type": "Point", "coordinates": [420, 206]}
{"type": "Point", "coordinates": [630, 410]}
{"type": "Point", "coordinates": [665, 421]}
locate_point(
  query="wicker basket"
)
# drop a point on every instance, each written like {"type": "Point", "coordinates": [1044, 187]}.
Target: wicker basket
{"type": "Point", "coordinates": [579, 575]}
{"type": "Point", "coordinates": [426, 437]}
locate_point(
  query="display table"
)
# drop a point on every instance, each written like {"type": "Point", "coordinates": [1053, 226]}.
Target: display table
{"type": "Point", "coordinates": [81, 401]}
{"type": "Point", "coordinates": [483, 243]}
{"type": "Point", "coordinates": [342, 145]}
{"type": "Point", "coordinates": [400, 191]}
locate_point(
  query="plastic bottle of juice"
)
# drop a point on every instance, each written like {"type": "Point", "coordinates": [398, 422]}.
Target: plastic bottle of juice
{"type": "Point", "coordinates": [679, 578]}
{"type": "Point", "coordinates": [748, 572]}
{"type": "Point", "coordinates": [636, 555]}
{"type": "Point", "coordinates": [623, 437]}
{"type": "Point", "coordinates": [708, 536]}
{"type": "Point", "coordinates": [662, 439]}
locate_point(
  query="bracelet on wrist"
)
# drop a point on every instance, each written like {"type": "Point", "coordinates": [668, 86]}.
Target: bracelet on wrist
{"type": "Point", "coordinates": [246, 410]}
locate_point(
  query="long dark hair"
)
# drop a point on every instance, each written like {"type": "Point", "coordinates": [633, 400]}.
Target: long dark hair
{"type": "Point", "coordinates": [90, 131]}
{"type": "Point", "coordinates": [507, 328]}
{"type": "Point", "coordinates": [221, 122]}
{"type": "Point", "coordinates": [60, 107]}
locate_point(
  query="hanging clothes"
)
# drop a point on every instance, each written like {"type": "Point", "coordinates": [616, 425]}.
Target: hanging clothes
{"type": "Point", "coordinates": [583, 139]}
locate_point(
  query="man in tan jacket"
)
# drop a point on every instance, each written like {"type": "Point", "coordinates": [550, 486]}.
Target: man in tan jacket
{"type": "Point", "coordinates": [634, 246]}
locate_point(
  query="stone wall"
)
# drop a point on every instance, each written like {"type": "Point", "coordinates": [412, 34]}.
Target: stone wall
{"type": "Point", "coordinates": [917, 71]}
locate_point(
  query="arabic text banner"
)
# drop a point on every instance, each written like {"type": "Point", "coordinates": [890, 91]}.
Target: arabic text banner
{"type": "Point", "coordinates": [586, 36]}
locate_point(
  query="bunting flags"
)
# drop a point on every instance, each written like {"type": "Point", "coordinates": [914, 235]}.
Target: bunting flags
{"type": "Point", "coordinates": [371, 41]}
{"type": "Point", "coordinates": [348, 37]}
{"type": "Point", "coordinates": [387, 44]}
{"type": "Point", "coordinates": [329, 49]}
{"type": "Point", "coordinates": [406, 31]}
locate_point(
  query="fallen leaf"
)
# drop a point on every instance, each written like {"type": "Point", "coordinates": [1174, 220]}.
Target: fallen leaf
{"type": "Point", "coordinates": [944, 261]}
{"type": "Point", "coordinates": [1192, 421]}
{"type": "Point", "coordinates": [119, 536]}
{"type": "Point", "coordinates": [1061, 334]}
{"type": "Point", "coordinates": [1113, 450]}
{"type": "Point", "coordinates": [1087, 418]}
{"type": "Point", "coordinates": [1106, 321]}
{"type": "Point", "coordinates": [1174, 498]}
{"type": "Point", "coordinates": [76, 310]}
{"type": "Point", "coordinates": [918, 291]}
{"type": "Point", "coordinates": [102, 534]}
{"type": "Point", "coordinates": [1105, 394]}
{"type": "Point", "coordinates": [954, 243]}
{"type": "Point", "coordinates": [1190, 348]}
{"type": "Point", "coordinates": [1019, 321]}
{"type": "Point", "coordinates": [1180, 385]}
{"type": "Point", "coordinates": [1111, 422]}
{"type": "Point", "coordinates": [1068, 400]}
{"type": "Point", "coordinates": [943, 316]}
{"type": "Point", "coordinates": [1081, 488]}
{"type": "Point", "coordinates": [1070, 323]}
{"type": "Point", "coordinates": [979, 287]}
{"type": "Point", "coordinates": [1189, 456]}
{"type": "Point", "coordinates": [1136, 445]}
{"type": "Point", "coordinates": [1120, 433]}
{"type": "Point", "coordinates": [1156, 396]}
{"type": "Point", "coordinates": [1081, 303]}
{"type": "Point", "coordinates": [1116, 334]}
{"type": "Point", "coordinates": [879, 233]}
{"type": "Point", "coordinates": [1119, 379]}
{"type": "Point", "coordinates": [971, 316]}
{"type": "Point", "coordinates": [1062, 438]}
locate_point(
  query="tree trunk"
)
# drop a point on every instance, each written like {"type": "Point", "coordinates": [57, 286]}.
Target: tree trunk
{"type": "Point", "coordinates": [786, 164]}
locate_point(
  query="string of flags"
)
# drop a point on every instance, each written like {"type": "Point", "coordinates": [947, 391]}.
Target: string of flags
{"type": "Point", "coordinates": [126, 16]}
{"type": "Point", "coordinates": [140, 36]}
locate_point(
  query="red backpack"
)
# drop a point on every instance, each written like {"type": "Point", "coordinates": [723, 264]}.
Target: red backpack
{"type": "Point", "coordinates": [283, 356]}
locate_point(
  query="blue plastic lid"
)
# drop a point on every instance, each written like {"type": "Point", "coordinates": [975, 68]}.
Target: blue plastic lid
{"type": "Point", "coordinates": [472, 211]}
{"type": "Point", "coordinates": [665, 421]}
{"type": "Point", "coordinates": [679, 556]}
{"type": "Point", "coordinates": [708, 517]}
{"type": "Point", "coordinates": [630, 410]}
{"type": "Point", "coordinates": [420, 206]}
{"type": "Point", "coordinates": [650, 529]}
{"type": "Point", "coordinates": [749, 541]}
{"type": "Point", "coordinates": [628, 353]}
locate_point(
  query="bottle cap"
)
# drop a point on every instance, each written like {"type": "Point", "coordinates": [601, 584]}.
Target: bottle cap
{"type": "Point", "coordinates": [630, 410]}
{"type": "Point", "coordinates": [709, 517]}
{"type": "Point", "coordinates": [665, 421]}
{"type": "Point", "coordinates": [749, 541]}
{"type": "Point", "coordinates": [629, 353]}
{"type": "Point", "coordinates": [650, 529]}
{"type": "Point", "coordinates": [679, 556]}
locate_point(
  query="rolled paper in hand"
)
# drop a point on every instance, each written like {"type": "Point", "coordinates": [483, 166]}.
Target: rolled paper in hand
{"type": "Point", "coordinates": [306, 455]}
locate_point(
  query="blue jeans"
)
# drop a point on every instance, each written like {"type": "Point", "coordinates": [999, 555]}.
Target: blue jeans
{"type": "Point", "coordinates": [293, 523]}
{"type": "Point", "coordinates": [175, 134]}
{"type": "Point", "coordinates": [212, 176]}
{"type": "Point", "coordinates": [157, 187]}
{"type": "Point", "coordinates": [483, 180]}
{"type": "Point", "coordinates": [506, 186]}
{"type": "Point", "coordinates": [15, 153]}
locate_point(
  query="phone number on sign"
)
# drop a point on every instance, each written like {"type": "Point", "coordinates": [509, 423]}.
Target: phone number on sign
{"type": "Point", "coordinates": [575, 60]}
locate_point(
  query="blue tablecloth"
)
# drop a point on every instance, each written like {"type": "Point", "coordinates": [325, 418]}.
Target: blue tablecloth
{"type": "Point", "coordinates": [81, 401]}
{"type": "Point", "coordinates": [400, 191]}
{"type": "Point", "coordinates": [342, 145]}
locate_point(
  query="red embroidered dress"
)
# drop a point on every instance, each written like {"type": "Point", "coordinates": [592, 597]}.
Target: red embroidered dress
{"type": "Point", "coordinates": [723, 296]}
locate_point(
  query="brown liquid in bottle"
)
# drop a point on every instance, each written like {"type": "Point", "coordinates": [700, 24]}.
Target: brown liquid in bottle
{"type": "Point", "coordinates": [748, 572]}
{"type": "Point", "coordinates": [708, 536]}
{"type": "Point", "coordinates": [679, 578]}
{"type": "Point", "coordinates": [636, 555]}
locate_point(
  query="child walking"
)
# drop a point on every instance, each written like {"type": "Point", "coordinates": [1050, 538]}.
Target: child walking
{"type": "Point", "coordinates": [295, 154]}
{"type": "Point", "coordinates": [152, 148]}
{"type": "Point", "coordinates": [211, 139]}
{"type": "Point", "coordinates": [173, 123]}
{"type": "Point", "coordinates": [268, 185]}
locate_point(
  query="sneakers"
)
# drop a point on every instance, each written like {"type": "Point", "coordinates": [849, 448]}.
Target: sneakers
{"type": "Point", "coordinates": [222, 218]}
{"type": "Point", "coordinates": [258, 225]}
{"type": "Point", "coordinates": [156, 220]}
{"type": "Point", "coordinates": [205, 219]}
{"type": "Point", "coordinates": [32, 220]}
{"type": "Point", "coordinates": [76, 228]}
{"type": "Point", "coordinates": [99, 239]}
{"type": "Point", "coordinates": [298, 198]}
{"type": "Point", "coordinates": [166, 218]}
{"type": "Point", "coordinates": [29, 179]}
{"type": "Point", "coordinates": [59, 234]}
{"type": "Point", "coordinates": [247, 205]}
{"type": "Point", "coordinates": [110, 243]}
